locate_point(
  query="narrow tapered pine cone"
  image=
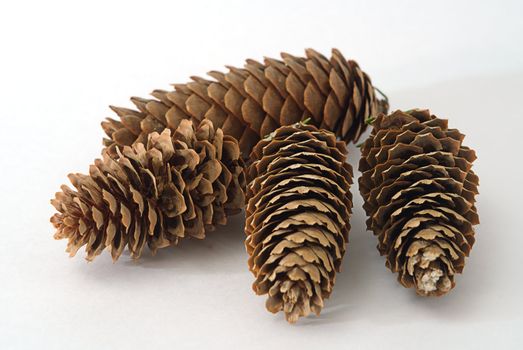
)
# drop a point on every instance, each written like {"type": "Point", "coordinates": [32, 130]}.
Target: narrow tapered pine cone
{"type": "Point", "coordinates": [298, 212]}
{"type": "Point", "coordinates": [157, 193]}
{"type": "Point", "coordinates": [419, 193]}
{"type": "Point", "coordinates": [250, 103]}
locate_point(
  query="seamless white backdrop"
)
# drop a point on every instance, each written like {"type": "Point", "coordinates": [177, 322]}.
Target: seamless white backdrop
{"type": "Point", "coordinates": [62, 63]}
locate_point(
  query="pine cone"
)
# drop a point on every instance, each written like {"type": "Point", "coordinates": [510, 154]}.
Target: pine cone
{"type": "Point", "coordinates": [298, 212]}
{"type": "Point", "coordinates": [155, 193]}
{"type": "Point", "coordinates": [250, 103]}
{"type": "Point", "coordinates": [419, 193]}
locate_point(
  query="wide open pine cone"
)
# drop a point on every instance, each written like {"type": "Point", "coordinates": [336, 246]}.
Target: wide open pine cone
{"type": "Point", "coordinates": [298, 212]}
{"type": "Point", "coordinates": [250, 103]}
{"type": "Point", "coordinates": [156, 193]}
{"type": "Point", "coordinates": [419, 193]}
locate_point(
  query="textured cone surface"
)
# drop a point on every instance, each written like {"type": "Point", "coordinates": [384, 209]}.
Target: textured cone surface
{"type": "Point", "coordinates": [419, 192]}
{"type": "Point", "coordinates": [298, 212]}
{"type": "Point", "coordinates": [248, 103]}
{"type": "Point", "coordinates": [156, 193]}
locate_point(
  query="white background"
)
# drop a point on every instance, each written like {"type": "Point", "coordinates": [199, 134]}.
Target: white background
{"type": "Point", "coordinates": [62, 64]}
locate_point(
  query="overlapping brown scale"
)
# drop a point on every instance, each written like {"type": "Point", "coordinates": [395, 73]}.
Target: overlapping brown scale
{"type": "Point", "coordinates": [249, 103]}
{"type": "Point", "coordinates": [419, 192]}
{"type": "Point", "coordinates": [298, 212]}
{"type": "Point", "coordinates": [155, 193]}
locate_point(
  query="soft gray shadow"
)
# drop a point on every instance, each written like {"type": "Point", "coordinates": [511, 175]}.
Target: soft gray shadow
{"type": "Point", "coordinates": [222, 251]}
{"type": "Point", "coordinates": [366, 286]}
{"type": "Point", "coordinates": [486, 110]}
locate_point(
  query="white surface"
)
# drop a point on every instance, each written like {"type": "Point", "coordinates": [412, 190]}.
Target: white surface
{"type": "Point", "coordinates": [61, 64]}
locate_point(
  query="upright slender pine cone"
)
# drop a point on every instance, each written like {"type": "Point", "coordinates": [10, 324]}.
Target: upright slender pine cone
{"type": "Point", "coordinates": [156, 193]}
{"type": "Point", "coordinates": [298, 212]}
{"type": "Point", "coordinates": [250, 103]}
{"type": "Point", "coordinates": [419, 193]}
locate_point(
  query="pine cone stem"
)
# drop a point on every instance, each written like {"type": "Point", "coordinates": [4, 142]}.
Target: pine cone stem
{"type": "Point", "coordinates": [385, 98]}
{"type": "Point", "coordinates": [154, 193]}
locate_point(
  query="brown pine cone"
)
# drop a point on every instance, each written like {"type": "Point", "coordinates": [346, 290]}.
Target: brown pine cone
{"type": "Point", "coordinates": [298, 211]}
{"type": "Point", "coordinates": [250, 103]}
{"type": "Point", "coordinates": [419, 193]}
{"type": "Point", "coordinates": [156, 193]}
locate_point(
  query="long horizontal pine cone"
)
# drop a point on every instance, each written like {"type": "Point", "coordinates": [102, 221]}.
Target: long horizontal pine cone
{"type": "Point", "coordinates": [156, 193]}
{"type": "Point", "coordinates": [298, 211]}
{"type": "Point", "coordinates": [250, 103]}
{"type": "Point", "coordinates": [419, 193]}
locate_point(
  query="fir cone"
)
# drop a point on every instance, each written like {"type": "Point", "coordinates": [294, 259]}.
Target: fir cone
{"type": "Point", "coordinates": [250, 103]}
{"type": "Point", "coordinates": [419, 193]}
{"type": "Point", "coordinates": [156, 193]}
{"type": "Point", "coordinates": [298, 212]}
